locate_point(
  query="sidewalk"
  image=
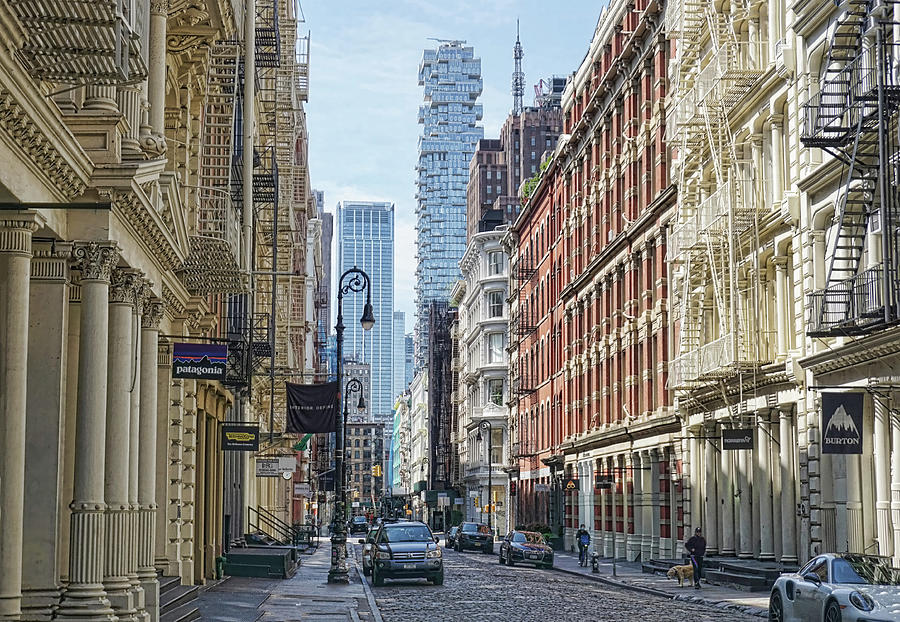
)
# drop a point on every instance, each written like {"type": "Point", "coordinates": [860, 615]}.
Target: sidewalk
{"type": "Point", "coordinates": [307, 595]}
{"type": "Point", "coordinates": [629, 575]}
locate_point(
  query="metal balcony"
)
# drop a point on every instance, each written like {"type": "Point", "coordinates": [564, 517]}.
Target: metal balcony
{"type": "Point", "coordinates": [213, 265]}
{"type": "Point", "coordinates": [851, 307]}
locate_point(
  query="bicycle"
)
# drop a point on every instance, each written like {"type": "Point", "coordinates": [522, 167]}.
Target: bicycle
{"type": "Point", "coordinates": [582, 554]}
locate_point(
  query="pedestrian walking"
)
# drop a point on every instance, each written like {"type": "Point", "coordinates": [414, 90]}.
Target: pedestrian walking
{"type": "Point", "coordinates": [584, 541]}
{"type": "Point", "coordinates": [696, 547]}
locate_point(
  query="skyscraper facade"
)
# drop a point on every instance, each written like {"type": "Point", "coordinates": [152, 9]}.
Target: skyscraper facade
{"type": "Point", "coordinates": [399, 353]}
{"type": "Point", "coordinates": [410, 349]}
{"type": "Point", "coordinates": [365, 238]}
{"type": "Point", "coordinates": [451, 77]}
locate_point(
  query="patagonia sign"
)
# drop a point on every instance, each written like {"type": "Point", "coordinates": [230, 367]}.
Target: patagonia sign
{"type": "Point", "coordinates": [842, 421]}
{"type": "Point", "coordinates": [199, 361]}
{"type": "Point", "coordinates": [740, 438]}
{"type": "Point", "coordinates": [240, 437]}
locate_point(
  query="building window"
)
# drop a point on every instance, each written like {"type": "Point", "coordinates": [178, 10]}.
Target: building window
{"type": "Point", "coordinates": [532, 155]}
{"type": "Point", "coordinates": [499, 175]}
{"type": "Point", "coordinates": [495, 391]}
{"type": "Point", "coordinates": [488, 189]}
{"type": "Point", "coordinates": [532, 142]}
{"type": "Point", "coordinates": [533, 169]}
{"type": "Point", "coordinates": [488, 174]}
{"type": "Point", "coordinates": [495, 348]}
{"type": "Point", "coordinates": [356, 455]}
{"type": "Point", "coordinates": [495, 304]}
{"type": "Point", "coordinates": [498, 189]}
{"type": "Point", "coordinates": [495, 262]}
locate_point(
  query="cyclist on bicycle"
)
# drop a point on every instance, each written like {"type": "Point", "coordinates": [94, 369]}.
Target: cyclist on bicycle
{"type": "Point", "coordinates": [584, 541]}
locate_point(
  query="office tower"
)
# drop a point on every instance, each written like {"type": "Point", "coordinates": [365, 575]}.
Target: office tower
{"type": "Point", "coordinates": [410, 349]}
{"type": "Point", "coordinates": [399, 354]}
{"type": "Point", "coordinates": [365, 240]}
{"type": "Point", "coordinates": [451, 79]}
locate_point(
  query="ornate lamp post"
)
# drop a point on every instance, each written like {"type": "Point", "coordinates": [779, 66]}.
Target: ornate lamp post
{"type": "Point", "coordinates": [486, 426]}
{"type": "Point", "coordinates": [356, 281]}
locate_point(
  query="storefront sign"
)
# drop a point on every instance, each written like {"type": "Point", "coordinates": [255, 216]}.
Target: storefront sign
{"type": "Point", "coordinates": [740, 438]}
{"type": "Point", "coordinates": [542, 487]}
{"type": "Point", "coordinates": [240, 437]}
{"type": "Point", "coordinates": [603, 483]}
{"type": "Point", "coordinates": [842, 421]}
{"type": "Point", "coordinates": [571, 484]}
{"type": "Point", "coordinates": [199, 361]}
{"type": "Point", "coordinates": [301, 490]}
{"type": "Point", "coordinates": [267, 467]}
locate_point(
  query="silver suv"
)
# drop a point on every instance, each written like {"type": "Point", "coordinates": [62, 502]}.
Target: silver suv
{"type": "Point", "coordinates": [407, 549]}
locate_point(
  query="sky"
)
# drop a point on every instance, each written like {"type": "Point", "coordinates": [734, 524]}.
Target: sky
{"type": "Point", "coordinates": [364, 92]}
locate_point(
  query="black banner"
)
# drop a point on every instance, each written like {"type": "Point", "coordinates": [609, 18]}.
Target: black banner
{"type": "Point", "coordinates": [199, 361]}
{"type": "Point", "coordinates": [740, 438]}
{"type": "Point", "coordinates": [240, 437]}
{"type": "Point", "coordinates": [311, 407]}
{"type": "Point", "coordinates": [842, 420]}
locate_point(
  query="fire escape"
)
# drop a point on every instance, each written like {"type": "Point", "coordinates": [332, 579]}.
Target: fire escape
{"type": "Point", "coordinates": [716, 226]}
{"type": "Point", "coordinates": [855, 118]}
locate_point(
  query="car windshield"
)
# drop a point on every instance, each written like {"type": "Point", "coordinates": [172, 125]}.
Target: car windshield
{"type": "Point", "coordinates": [864, 570]}
{"type": "Point", "coordinates": [530, 537]}
{"type": "Point", "coordinates": [359, 519]}
{"type": "Point", "coordinates": [475, 528]}
{"type": "Point", "coordinates": [407, 533]}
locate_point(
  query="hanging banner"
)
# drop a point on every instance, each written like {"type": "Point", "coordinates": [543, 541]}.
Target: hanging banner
{"type": "Point", "coordinates": [842, 417]}
{"type": "Point", "coordinates": [739, 438]}
{"type": "Point", "coordinates": [240, 437]}
{"type": "Point", "coordinates": [311, 407]}
{"type": "Point", "coordinates": [199, 361]}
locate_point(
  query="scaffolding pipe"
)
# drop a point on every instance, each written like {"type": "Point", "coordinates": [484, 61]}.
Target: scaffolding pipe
{"type": "Point", "coordinates": [248, 127]}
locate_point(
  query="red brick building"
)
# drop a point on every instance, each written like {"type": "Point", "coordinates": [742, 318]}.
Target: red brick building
{"type": "Point", "coordinates": [598, 441]}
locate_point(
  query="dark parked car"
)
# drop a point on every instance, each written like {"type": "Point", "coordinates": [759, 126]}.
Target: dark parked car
{"type": "Point", "coordinates": [359, 524]}
{"type": "Point", "coordinates": [368, 550]}
{"type": "Point", "coordinates": [475, 536]}
{"type": "Point", "coordinates": [450, 538]}
{"type": "Point", "coordinates": [526, 546]}
{"type": "Point", "coordinates": [407, 549]}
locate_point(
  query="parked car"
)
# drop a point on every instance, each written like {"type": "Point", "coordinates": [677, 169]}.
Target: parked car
{"type": "Point", "coordinates": [526, 546]}
{"type": "Point", "coordinates": [407, 549]}
{"type": "Point", "coordinates": [359, 524]}
{"type": "Point", "coordinates": [450, 538]}
{"type": "Point", "coordinates": [838, 588]}
{"type": "Point", "coordinates": [368, 550]}
{"type": "Point", "coordinates": [474, 536]}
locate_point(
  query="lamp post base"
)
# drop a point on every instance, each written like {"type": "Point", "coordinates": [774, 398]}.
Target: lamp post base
{"type": "Point", "coordinates": [339, 572]}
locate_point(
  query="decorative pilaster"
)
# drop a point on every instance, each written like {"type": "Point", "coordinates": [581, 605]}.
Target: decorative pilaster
{"type": "Point", "coordinates": [895, 488]}
{"type": "Point", "coordinates": [154, 143]}
{"type": "Point", "coordinates": [655, 498]}
{"type": "Point", "coordinates": [633, 545]}
{"type": "Point", "coordinates": [711, 469]}
{"type": "Point", "coordinates": [147, 456]}
{"type": "Point", "coordinates": [118, 444]}
{"type": "Point", "coordinates": [85, 598]}
{"type": "Point", "coordinates": [726, 495]}
{"type": "Point", "coordinates": [782, 301]}
{"type": "Point", "coordinates": [764, 484]}
{"type": "Point", "coordinates": [141, 295]}
{"type": "Point", "coordinates": [646, 507]}
{"type": "Point", "coordinates": [47, 364]}
{"type": "Point", "coordinates": [15, 272]}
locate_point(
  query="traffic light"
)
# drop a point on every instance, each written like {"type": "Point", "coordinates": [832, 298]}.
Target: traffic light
{"type": "Point", "coordinates": [376, 470]}
{"type": "Point", "coordinates": [512, 488]}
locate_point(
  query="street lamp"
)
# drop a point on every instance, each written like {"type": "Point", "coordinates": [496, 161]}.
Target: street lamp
{"type": "Point", "coordinates": [486, 426]}
{"type": "Point", "coordinates": [356, 281]}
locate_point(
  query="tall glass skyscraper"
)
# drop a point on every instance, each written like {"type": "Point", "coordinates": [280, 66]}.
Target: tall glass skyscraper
{"type": "Point", "coordinates": [451, 77]}
{"type": "Point", "coordinates": [365, 239]}
{"type": "Point", "coordinates": [399, 354]}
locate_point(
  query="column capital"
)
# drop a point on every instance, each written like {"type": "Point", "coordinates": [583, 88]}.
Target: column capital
{"type": "Point", "coordinates": [47, 265]}
{"type": "Point", "coordinates": [780, 262]}
{"type": "Point", "coordinates": [124, 286]}
{"type": "Point", "coordinates": [16, 230]}
{"type": "Point", "coordinates": [95, 259]}
{"type": "Point", "coordinates": [159, 7]}
{"type": "Point", "coordinates": [776, 120]}
{"type": "Point", "coordinates": [153, 312]}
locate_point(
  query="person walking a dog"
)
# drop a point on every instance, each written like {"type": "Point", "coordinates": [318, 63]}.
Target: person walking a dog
{"type": "Point", "coordinates": [696, 546]}
{"type": "Point", "coordinates": [584, 541]}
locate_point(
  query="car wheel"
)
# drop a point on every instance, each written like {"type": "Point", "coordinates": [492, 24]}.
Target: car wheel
{"type": "Point", "coordinates": [509, 559]}
{"type": "Point", "coordinates": [832, 612]}
{"type": "Point", "coordinates": [458, 547]}
{"type": "Point", "coordinates": [500, 557]}
{"type": "Point", "coordinates": [377, 579]}
{"type": "Point", "coordinates": [438, 579]}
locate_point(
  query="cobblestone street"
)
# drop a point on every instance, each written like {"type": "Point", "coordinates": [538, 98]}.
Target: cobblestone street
{"type": "Point", "coordinates": [476, 585]}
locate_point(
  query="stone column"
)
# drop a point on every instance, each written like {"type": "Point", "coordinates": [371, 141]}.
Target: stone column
{"type": "Point", "coordinates": [646, 507]}
{"type": "Point", "coordinates": [726, 495]}
{"type": "Point", "coordinates": [15, 272]}
{"type": "Point", "coordinates": [634, 539]}
{"type": "Point", "coordinates": [155, 143]}
{"type": "Point", "coordinates": [129, 101]}
{"type": "Point", "coordinates": [118, 428]}
{"type": "Point", "coordinates": [654, 501]}
{"type": "Point", "coordinates": [141, 295]}
{"type": "Point", "coordinates": [612, 535]}
{"type": "Point", "coordinates": [881, 448]}
{"type": "Point", "coordinates": [763, 484]}
{"type": "Point", "coordinates": [788, 493]}
{"type": "Point", "coordinates": [44, 435]}
{"type": "Point", "coordinates": [711, 519]}
{"type": "Point", "coordinates": [147, 456]}
{"type": "Point", "coordinates": [781, 302]}
{"type": "Point", "coordinates": [895, 487]}
{"type": "Point", "coordinates": [99, 98]}
{"type": "Point", "coordinates": [85, 598]}
{"type": "Point", "coordinates": [744, 499]}
{"type": "Point", "coordinates": [777, 121]}
{"type": "Point", "coordinates": [697, 490]}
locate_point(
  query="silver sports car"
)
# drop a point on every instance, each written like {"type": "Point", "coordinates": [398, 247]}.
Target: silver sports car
{"type": "Point", "coordinates": [838, 588]}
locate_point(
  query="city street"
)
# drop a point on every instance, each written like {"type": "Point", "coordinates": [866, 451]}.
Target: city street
{"type": "Point", "coordinates": [476, 585]}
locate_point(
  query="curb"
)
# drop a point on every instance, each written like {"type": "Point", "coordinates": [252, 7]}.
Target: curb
{"type": "Point", "coordinates": [373, 606]}
{"type": "Point", "coordinates": [718, 604]}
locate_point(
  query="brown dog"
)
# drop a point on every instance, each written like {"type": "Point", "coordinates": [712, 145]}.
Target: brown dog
{"type": "Point", "coordinates": [681, 573]}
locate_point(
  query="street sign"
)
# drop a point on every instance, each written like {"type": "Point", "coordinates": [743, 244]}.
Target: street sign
{"type": "Point", "coordinates": [301, 490]}
{"type": "Point", "coordinates": [738, 438]}
{"type": "Point", "coordinates": [240, 437]}
{"type": "Point", "coordinates": [355, 504]}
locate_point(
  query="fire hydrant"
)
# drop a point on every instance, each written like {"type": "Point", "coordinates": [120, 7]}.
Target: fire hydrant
{"type": "Point", "coordinates": [595, 562]}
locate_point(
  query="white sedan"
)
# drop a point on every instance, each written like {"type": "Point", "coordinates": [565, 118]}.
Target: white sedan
{"type": "Point", "coordinates": [838, 588]}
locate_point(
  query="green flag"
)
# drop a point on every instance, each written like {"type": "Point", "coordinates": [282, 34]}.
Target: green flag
{"type": "Point", "coordinates": [301, 444]}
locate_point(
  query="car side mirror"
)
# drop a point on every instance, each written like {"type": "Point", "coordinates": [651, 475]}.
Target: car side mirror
{"type": "Point", "coordinates": [812, 578]}
{"type": "Point", "coordinates": [436, 539]}
{"type": "Point", "coordinates": [362, 541]}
